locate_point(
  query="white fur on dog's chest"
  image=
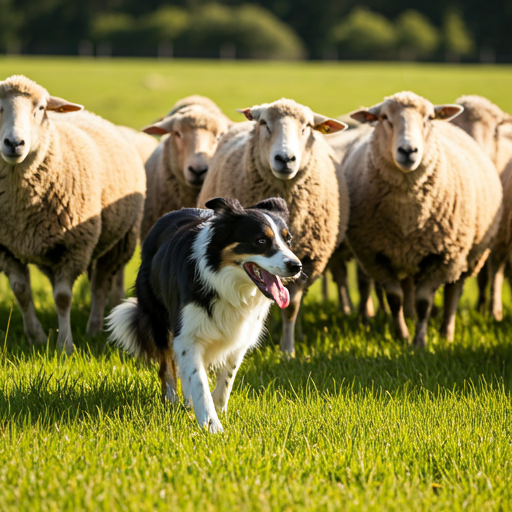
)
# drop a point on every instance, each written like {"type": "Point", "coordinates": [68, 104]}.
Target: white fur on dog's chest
{"type": "Point", "coordinates": [229, 328]}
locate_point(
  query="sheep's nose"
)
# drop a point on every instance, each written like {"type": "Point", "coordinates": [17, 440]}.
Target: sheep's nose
{"type": "Point", "coordinates": [294, 266]}
{"type": "Point", "coordinates": [14, 143]}
{"type": "Point", "coordinates": [407, 150]}
{"type": "Point", "coordinates": [284, 159]}
{"type": "Point", "coordinates": [198, 171]}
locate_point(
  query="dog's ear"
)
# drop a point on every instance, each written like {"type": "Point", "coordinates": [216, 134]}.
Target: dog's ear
{"type": "Point", "coordinates": [274, 205]}
{"type": "Point", "coordinates": [226, 206]}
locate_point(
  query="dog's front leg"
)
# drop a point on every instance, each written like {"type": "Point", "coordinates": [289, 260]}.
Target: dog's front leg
{"type": "Point", "coordinates": [194, 382]}
{"type": "Point", "coordinates": [225, 379]}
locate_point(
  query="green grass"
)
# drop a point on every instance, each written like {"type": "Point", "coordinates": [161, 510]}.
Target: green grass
{"type": "Point", "coordinates": [355, 422]}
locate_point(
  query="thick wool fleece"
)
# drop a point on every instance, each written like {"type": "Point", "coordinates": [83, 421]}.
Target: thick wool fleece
{"type": "Point", "coordinates": [489, 126]}
{"type": "Point", "coordinates": [433, 224]}
{"type": "Point", "coordinates": [167, 188]}
{"type": "Point", "coordinates": [313, 196]}
{"type": "Point", "coordinates": [74, 199]}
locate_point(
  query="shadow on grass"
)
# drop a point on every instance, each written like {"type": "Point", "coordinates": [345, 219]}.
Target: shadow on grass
{"type": "Point", "coordinates": [337, 355]}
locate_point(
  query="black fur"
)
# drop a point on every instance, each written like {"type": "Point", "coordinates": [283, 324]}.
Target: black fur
{"type": "Point", "coordinates": [168, 279]}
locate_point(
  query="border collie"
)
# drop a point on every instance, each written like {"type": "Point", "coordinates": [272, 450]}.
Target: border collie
{"type": "Point", "coordinates": [204, 288]}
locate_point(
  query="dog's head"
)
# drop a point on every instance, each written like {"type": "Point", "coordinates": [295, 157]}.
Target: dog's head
{"type": "Point", "coordinates": [255, 240]}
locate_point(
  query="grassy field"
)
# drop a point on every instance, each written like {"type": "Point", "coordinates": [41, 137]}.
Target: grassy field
{"type": "Point", "coordinates": [355, 422]}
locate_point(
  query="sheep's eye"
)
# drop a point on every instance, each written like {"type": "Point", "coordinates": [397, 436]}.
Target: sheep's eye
{"type": "Point", "coordinates": [41, 107]}
{"type": "Point", "coordinates": [303, 131]}
{"type": "Point", "coordinates": [177, 135]}
{"type": "Point", "coordinates": [261, 241]}
{"type": "Point", "coordinates": [263, 122]}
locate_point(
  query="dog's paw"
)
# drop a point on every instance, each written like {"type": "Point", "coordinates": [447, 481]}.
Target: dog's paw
{"type": "Point", "coordinates": [214, 426]}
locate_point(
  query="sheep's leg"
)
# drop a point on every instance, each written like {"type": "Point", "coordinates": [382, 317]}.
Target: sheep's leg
{"type": "Point", "coordinates": [395, 297]}
{"type": "Point", "coordinates": [365, 283]}
{"type": "Point", "coordinates": [325, 287]}
{"type": "Point", "coordinates": [452, 293]}
{"type": "Point", "coordinates": [424, 300]}
{"type": "Point", "coordinates": [289, 316]}
{"type": "Point", "coordinates": [482, 279]}
{"type": "Point", "coordinates": [496, 305]}
{"type": "Point", "coordinates": [339, 274]}
{"type": "Point", "coordinates": [117, 294]}
{"type": "Point", "coordinates": [194, 383]}
{"type": "Point", "coordinates": [101, 278]}
{"type": "Point", "coordinates": [225, 379]}
{"type": "Point", "coordinates": [62, 295]}
{"type": "Point", "coordinates": [408, 288]}
{"type": "Point", "coordinates": [19, 279]}
{"type": "Point", "coordinates": [380, 297]}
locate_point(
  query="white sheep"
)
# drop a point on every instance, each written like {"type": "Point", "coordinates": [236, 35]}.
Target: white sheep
{"type": "Point", "coordinates": [425, 204]}
{"type": "Point", "coordinates": [176, 170]}
{"type": "Point", "coordinates": [489, 126]}
{"type": "Point", "coordinates": [281, 152]}
{"type": "Point", "coordinates": [71, 199]}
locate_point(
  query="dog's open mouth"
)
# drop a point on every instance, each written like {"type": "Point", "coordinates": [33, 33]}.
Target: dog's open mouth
{"type": "Point", "coordinates": [269, 284]}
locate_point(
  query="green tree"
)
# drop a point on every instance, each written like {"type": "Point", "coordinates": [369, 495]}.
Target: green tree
{"type": "Point", "coordinates": [457, 38]}
{"type": "Point", "coordinates": [416, 34]}
{"type": "Point", "coordinates": [254, 32]}
{"type": "Point", "coordinates": [10, 23]}
{"type": "Point", "coordinates": [364, 33]}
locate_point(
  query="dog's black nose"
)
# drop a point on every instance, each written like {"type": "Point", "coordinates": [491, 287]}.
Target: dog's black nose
{"type": "Point", "coordinates": [294, 266]}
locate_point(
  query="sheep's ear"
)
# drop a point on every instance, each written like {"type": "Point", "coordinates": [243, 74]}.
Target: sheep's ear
{"type": "Point", "coordinates": [56, 104]}
{"type": "Point", "coordinates": [447, 112]}
{"type": "Point", "coordinates": [327, 125]}
{"type": "Point", "coordinates": [160, 127]}
{"type": "Point", "coordinates": [221, 205]}
{"type": "Point", "coordinates": [365, 116]}
{"type": "Point", "coordinates": [253, 113]}
{"type": "Point", "coordinates": [274, 205]}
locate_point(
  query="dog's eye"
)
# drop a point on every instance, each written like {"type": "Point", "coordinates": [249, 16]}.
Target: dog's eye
{"type": "Point", "coordinates": [289, 241]}
{"type": "Point", "coordinates": [261, 241]}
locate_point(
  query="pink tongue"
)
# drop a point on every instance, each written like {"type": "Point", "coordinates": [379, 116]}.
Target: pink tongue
{"type": "Point", "coordinates": [276, 288]}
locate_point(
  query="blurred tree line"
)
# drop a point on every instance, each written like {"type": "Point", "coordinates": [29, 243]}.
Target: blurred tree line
{"type": "Point", "coordinates": [412, 29]}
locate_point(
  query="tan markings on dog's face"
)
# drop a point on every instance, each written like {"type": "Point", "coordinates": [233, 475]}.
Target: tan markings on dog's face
{"type": "Point", "coordinates": [229, 257]}
{"type": "Point", "coordinates": [269, 232]}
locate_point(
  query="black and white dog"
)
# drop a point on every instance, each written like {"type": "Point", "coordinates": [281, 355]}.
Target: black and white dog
{"type": "Point", "coordinates": [204, 288]}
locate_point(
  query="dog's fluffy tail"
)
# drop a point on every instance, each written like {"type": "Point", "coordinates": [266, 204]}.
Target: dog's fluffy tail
{"type": "Point", "coordinates": [123, 324]}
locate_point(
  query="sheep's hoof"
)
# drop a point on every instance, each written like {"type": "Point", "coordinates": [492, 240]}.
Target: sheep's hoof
{"type": "Point", "coordinates": [94, 327]}
{"type": "Point", "coordinates": [419, 341]}
{"type": "Point", "coordinates": [38, 337]}
{"type": "Point", "coordinates": [498, 315]}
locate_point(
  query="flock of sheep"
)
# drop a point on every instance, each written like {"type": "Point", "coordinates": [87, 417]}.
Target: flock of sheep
{"type": "Point", "coordinates": [417, 193]}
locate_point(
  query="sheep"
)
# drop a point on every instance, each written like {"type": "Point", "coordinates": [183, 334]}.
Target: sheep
{"type": "Point", "coordinates": [279, 152]}
{"type": "Point", "coordinates": [143, 143]}
{"type": "Point", "coordinates": [425, 204]}
{"type": "Point", "coordinates": [502, 248]}
{"type": "Point", "coordinates": [72, 193]}
{"type": "Point", "coordinates": [340, 142]}
{"type": "Point", "coordinates": [489, 126]}
{"type": "Point", "coordinates": [176, 170]}
{"type": "Point", "coordinates": [492, 129]}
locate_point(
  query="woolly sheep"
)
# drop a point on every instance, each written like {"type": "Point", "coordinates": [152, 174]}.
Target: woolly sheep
{"type": "Point", "coordinates": [492, 129]}
{"type": "Point", "coordinates": [489, 126]}
{"type": "Point", "coordinates": [425, 204]}
{"type": "Point", "coordinates": [72, 193]}
{"type": "Point", "coordinates": [176, 170]}
{"type": "Point", "coordinates": [143, 143]}
{"type": "Point", "coordinates": [280, 152]}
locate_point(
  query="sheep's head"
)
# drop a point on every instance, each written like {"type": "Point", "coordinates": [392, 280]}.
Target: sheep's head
{"type": "Point", "coordinates": [194, 135]}
{"type": "Point", "coordinates": [285, 133]}
{"type": "Point", "coordinates": [481, 120]}
{"type": "Point", "coordinates": [402, 126]}
{"type": "Point", "coordinates": [23, 113]}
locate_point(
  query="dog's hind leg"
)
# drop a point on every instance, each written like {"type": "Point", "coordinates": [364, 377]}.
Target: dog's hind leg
{"type": "Point", "coordinates": [225, 377]}
{"type": "Point", "coordinates": [194, 382]}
